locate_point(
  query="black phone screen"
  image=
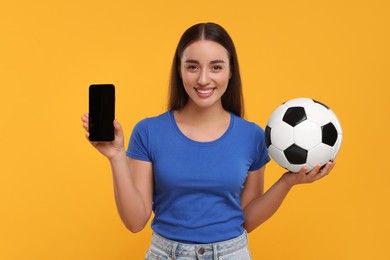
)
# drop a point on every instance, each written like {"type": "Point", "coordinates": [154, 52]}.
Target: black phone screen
{"type": "Point", "coordinates": [101, 112]}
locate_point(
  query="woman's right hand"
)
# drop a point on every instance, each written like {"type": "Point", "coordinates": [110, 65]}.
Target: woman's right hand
{"type": "Point", "coordinates": [108, 149]}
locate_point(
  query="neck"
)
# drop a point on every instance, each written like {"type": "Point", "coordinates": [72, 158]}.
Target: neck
{"type": "Point", "coordinates": [202, 115]}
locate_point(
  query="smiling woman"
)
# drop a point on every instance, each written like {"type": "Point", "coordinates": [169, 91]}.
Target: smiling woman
{"type": "Point", "coordinates": [199, 166]}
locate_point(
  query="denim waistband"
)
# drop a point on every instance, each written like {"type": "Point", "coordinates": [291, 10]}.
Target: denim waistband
{"type": "Point", "coordinates": [175, 249]}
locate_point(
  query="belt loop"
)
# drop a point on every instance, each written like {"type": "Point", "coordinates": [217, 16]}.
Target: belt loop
{"type": "Point", "coordinates": [173, 253]}
{"type": "Point", "coordinates": [215, 251]}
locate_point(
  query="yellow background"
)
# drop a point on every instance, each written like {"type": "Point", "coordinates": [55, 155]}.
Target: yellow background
{"type": "Point", "coordinates": [56, 197]}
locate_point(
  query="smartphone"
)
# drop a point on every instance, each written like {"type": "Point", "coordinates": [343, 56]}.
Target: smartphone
{"type": "Point", "coordinates": [101, 112]}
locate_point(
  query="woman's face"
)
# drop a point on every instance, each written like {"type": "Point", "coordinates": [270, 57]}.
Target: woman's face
{"type": "Point", "coordinates": [205, 71]}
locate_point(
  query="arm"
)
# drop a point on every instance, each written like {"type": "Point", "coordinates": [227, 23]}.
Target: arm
{"type": "Point", "coordinates": [133, 190]}
{"type": "Point", "coordinates": [259, 208]}
{"type": "Point", "coordinates": [132, 179]}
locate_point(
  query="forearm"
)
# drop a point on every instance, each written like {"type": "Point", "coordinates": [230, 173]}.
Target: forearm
{"type": "Point", "coordinates": [262, 208]}
{"type": "Point", "coordinates": [129, 202]}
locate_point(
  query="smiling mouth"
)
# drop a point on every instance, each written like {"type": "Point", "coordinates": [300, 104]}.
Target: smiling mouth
{"type": "Point", "coordinates": [204, 91]}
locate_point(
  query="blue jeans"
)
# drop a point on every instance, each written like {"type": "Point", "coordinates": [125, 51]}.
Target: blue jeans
{"type": "Point", "coordinates": [165, 249]}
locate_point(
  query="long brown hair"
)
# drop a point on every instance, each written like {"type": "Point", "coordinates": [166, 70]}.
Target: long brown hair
{"type": "Point", "coordinates": [232, 99]}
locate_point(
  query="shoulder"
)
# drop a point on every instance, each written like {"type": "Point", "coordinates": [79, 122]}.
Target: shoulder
{"type": "Point", "coordinates": [249, 126]}
{"type": "Point", "coordinates": [154, 127]}
{"type": "Point", "coordinates": [155, 121]}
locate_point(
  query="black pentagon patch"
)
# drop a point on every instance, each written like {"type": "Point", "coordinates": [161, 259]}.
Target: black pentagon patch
{"type": "Point", "coordinates": [267, 136]}
{"type": "Point", "coordinates": [329, 134]}
{"type": "Point", "coordinates": [295, 154]}
{"type": "Point", "coordinates": [294, 116]}
{"type": "Point", "coordinates": [322, 104]}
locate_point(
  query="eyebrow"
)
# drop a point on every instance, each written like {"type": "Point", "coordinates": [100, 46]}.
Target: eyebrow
{"type": "Point", "coordinates": [197, 62]}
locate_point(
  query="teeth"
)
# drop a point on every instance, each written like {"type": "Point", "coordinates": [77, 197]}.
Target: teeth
{"type": "Point", "coordinates": [206, 91]}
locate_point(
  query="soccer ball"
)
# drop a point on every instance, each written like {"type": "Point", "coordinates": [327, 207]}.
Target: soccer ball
{"type": "Point", "coordinates": [303, 132]}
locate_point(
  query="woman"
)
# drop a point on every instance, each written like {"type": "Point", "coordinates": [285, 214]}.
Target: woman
{"type": "Point", "coordinates": [199, 166]}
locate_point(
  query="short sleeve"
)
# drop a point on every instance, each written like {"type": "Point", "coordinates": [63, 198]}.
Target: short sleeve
{"type": "Point", "coordinates": [138, 147]}
{"type": "Point", "coordinates": [261, 156]}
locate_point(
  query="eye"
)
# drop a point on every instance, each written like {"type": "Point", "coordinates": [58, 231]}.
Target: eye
{"type": "Point", "coordinates": [191, 67]}
{"type": "Point", "coordinates": [216, 68]}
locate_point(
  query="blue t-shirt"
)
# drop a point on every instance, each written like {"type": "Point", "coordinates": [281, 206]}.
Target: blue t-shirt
{"type": "Point", "coordinates": [198, 185]}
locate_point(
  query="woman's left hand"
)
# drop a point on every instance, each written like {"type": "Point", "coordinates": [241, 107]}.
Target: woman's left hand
{"type": "Point", "coordinates": [302, 177]}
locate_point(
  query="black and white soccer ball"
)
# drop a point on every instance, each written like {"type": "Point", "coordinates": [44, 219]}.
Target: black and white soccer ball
{"type": "Point", "coordinates": [303, 132]}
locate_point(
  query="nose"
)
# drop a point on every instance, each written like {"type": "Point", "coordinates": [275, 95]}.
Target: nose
{"type": "Point", "coordinates": [204, 77]}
